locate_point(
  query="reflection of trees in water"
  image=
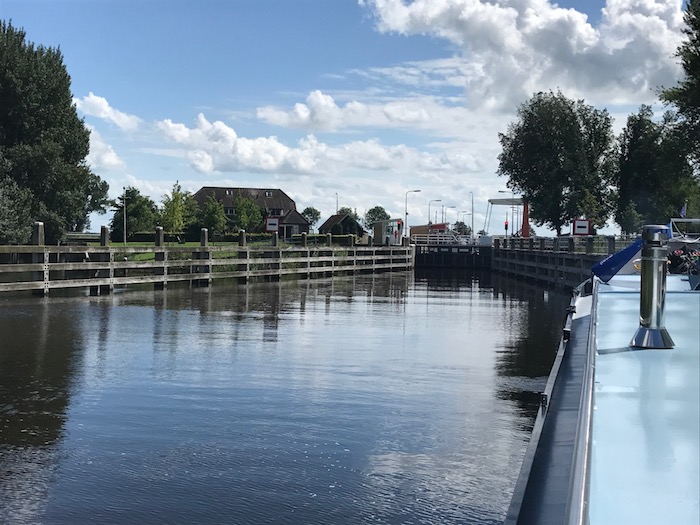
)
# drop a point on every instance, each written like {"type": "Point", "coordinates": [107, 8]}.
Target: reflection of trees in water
{"type": "Point", "coordinates": [533, 334]}
{"type": "Point", "coordinates": [39, 357]}
{"type": "Point", "coordinates": [531, 318]}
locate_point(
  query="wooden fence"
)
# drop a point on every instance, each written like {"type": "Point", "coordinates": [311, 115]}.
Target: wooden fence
{"type": "Point", "coordinates": [41, 268]}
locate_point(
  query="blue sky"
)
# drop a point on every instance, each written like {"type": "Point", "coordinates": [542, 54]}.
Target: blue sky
{"type": "Point", "coordinates": [365, 99]}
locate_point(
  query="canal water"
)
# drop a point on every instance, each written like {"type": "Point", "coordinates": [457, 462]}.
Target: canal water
{"type": "Point", "coordinates": [395, 398]}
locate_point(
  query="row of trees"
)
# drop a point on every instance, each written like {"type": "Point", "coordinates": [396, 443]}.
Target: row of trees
{"type": "Point", "coordinates": [180, 213]}
{"type": "Point", "coordinates": [562, 157]}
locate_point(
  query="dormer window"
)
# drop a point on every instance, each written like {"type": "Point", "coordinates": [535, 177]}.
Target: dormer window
{"type": "Point", "coordinates": [268, 193]}
{"type": "Point", "coordinates": [229, 192]}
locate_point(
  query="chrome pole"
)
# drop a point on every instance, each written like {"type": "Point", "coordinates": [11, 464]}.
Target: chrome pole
{"type": "Point", "coordinates": [652, 332]}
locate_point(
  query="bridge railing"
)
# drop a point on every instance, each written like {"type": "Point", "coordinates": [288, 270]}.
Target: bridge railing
{"type": "Point", "coordinates": [440, 239]}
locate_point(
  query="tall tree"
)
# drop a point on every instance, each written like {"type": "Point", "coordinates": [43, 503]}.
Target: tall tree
{"type": "Point", "coordinates": [247, 215]}
{"type": "Point", "coordinates": [376, 214]}
{"type": "Point", "coordinates": [179, 210]}
{"type": "Point", "coordinates": [653, 177]}
{"type": "Point", "coordinates": [43, 143]}
{"type": "Point", "coordinates": [213, 216]}
{"type": "Point", "coordinates": [686, 95]}
{"type": "Point", "coordinates": [559, 157]}
{"type": "Point", "coordinates": [141, 215]}
{"type": "Point", "coordinates": [311, 214]}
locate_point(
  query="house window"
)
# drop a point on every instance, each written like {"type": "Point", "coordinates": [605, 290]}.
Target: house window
{"type": "Point", "coordinates": [229, 192]}
{"type": "Point", "coordinates": [268, 193]}
{"type": "Point", "coordinates": [229, 211]}
{"type": "Point", "coordinates": [275, 212]}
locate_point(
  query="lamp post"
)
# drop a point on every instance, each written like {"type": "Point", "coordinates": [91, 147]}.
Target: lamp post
{"type": "Point", "coordinates": [124, 214]}
{"type": "Point", "coordinates": [471, 233]}
{"type": "Point", "coordinates": [405, 220]}
{"type": "Point", "coordinates": [443, 211]}
{"type": "Point", "coordinates": [434, 200]}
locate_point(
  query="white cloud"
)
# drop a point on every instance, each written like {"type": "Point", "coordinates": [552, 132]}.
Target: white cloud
{"type": "Point", "coordinates": [516, 47]}
{"type": "Point", "coordinates": [99, 107]}
{"type": "Point", "coordinates": [215, 147]}
{"type": "Point", "coordinates": [102, 155]}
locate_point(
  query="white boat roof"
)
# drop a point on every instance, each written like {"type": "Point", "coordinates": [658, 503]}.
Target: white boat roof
{"type": "Point", "coordinates": [645, 452]}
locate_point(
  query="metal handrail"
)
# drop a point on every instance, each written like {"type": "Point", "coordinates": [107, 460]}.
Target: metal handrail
{"type": "Point", "coordinates": [579, 483]}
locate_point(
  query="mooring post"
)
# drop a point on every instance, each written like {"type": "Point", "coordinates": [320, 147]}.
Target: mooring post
{"type": "Point", "coordinates": [40, 257]}
{"type": "Point", "coordinates": [589, 245]}
{"type": "Point", "coordinates": [329, 239]}
{"type": "Point", "coordinates": [304, 240]}
{"type": "Point", "coordinates": [611, 245]}
{"type": "Point", "coordinates": [201, 255]}
{"type": "Point", "coordinates": [103, 257]}
{"type": "Point", "coordinates": [160, 256]}
{"type": "Point", "coordinates": [243, 254]}
{"type": "Point", "coordinates": [652, 297]}
{"type": "Point", "coordinates": [275, 238]}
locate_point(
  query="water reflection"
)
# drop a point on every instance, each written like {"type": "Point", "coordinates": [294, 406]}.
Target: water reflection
{"type": "Point", "coordinates": [386, 398]}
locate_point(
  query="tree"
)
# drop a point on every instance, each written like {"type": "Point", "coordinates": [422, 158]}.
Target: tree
{"type": "Point", "coordinates": [212, 216]}
{"type": "Point", "coordinates": [141, 214]}
{"type": "Point", "coordinates": [348, 211]}
{"type": "Point", "coordinates": [179, 210]}
{"type": "Point", "coordinates": [247, 214]}
{"type": "Point", "coordinates": [311, 214]}
{"type": "Point", "coordinates": [653, 176]}
{"type": "Point", "coordinates": [686, 95]}
{"type": "Point", "coordinates": [376, 214]}
{"type": "Point", "coordinates": [559, 156]}
{"type": "Point", "coordinates": [461, 228]}
{"type": "Point", "coordinates": [43, 143]}
{"type": "Point", "coordinates": [15, 218]}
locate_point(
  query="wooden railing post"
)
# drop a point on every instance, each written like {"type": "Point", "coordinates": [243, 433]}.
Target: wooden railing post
{"type": "Point", "coordinates": [243, 254]}
{"type": "Point", "coordinates": [160, 256]}
{"type": "Point", "coordinates": [40, 257]}
{"type": "Point", "coordinates": [203, 254]}
{"type": "Point", "coordinates": [329, 239]}
{"type": "Point", "coordinates": [611, 245]}
{"type": "Point", "coordinates": [571, 248]}
{"type": "Point", "coordinates": [103, 257]}
{"type": "Point", "coordinates": [275, 238]}
{"type": "Point", "coordinates": [304, 239]}
{"type": "Point", "coordinates": [589, 245]}
{"type": "Point", "coordinates": [241, 238]}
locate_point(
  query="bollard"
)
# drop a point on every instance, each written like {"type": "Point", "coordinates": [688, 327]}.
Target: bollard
{"type": "Point", "coordinates": [652, 297]}
{"type": "Point", "coordinates": [204, 237]}
{"type": "Point", "coordinates": [275, 238]}
{"type": "Point", "coordinates": [329, 239]}
{"type": "Point", "coordinates": [241, 238]}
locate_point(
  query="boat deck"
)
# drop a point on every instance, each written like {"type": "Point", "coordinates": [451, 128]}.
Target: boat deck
{"type": "Point", "coordinates": [645, 453]}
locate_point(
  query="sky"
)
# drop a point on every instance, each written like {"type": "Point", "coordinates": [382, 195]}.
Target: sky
{"type": "Point", "coordinates": [341, 102]}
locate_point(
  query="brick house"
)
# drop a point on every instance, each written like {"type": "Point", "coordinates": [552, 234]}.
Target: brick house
{"type": "Point", "coordinates": [273, 204]}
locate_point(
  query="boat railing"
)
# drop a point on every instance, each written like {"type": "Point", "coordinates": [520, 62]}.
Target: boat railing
{"type": "Point", "coordinates": [579, 483]}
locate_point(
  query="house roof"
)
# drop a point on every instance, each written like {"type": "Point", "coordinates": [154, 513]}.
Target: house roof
{"type": "Point", "coordinates": [337, 219]}
{"type": "Point", "coordinates": [265, 198]}
{"type": "Point", "coordinates": [294, 217]}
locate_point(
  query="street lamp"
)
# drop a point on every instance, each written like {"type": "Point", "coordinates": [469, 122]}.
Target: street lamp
{"type": "Point", "coordinates": [405, 221]}
{"type": "Point", "coordinates": [443, 211]}
{"type": "Point", "coordinates": [434, 200]}
{"type": "Point", "coordinates": [471, 233]}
